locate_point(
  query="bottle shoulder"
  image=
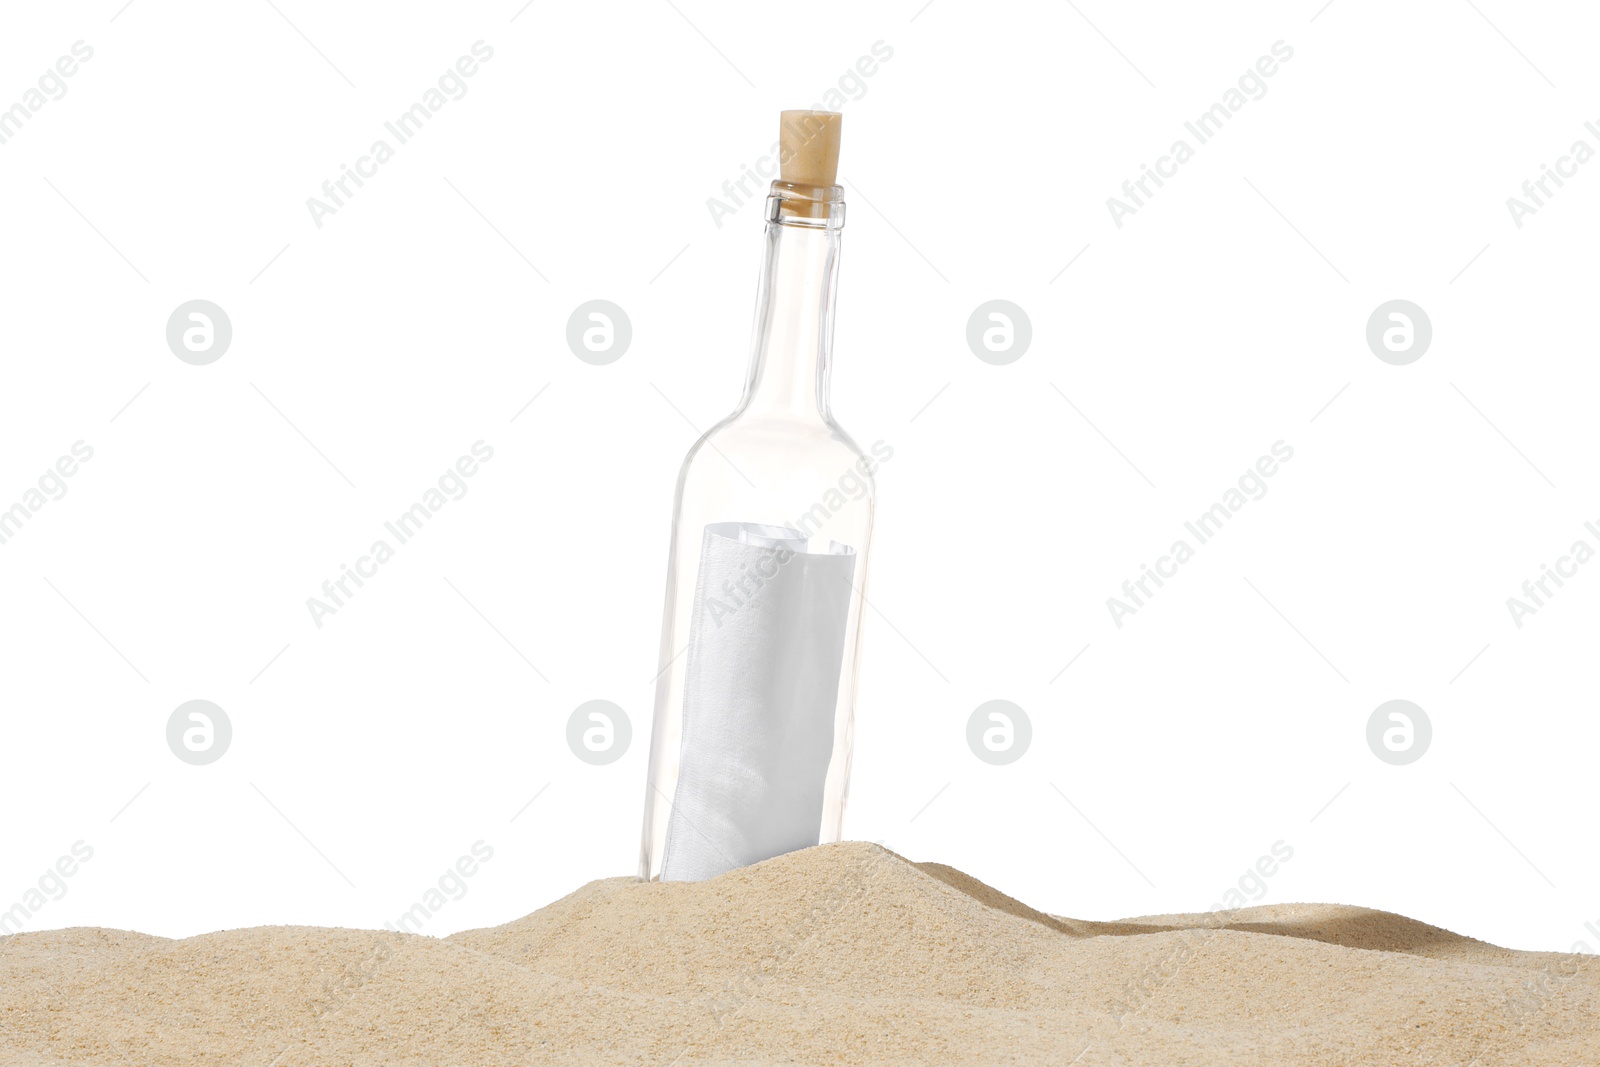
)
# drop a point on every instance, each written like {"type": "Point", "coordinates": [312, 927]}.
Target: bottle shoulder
{"type": "Point", "coordinates": [794, 439]}
{"type": "Point", "coordinates": [766, 457]}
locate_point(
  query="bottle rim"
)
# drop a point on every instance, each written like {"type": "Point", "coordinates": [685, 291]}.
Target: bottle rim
{"type": "Point", "coordinates": [812, 206]}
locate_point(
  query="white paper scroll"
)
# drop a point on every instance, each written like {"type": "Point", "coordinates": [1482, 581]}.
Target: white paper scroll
{"type": "Point", "coordinates": [760, 689]}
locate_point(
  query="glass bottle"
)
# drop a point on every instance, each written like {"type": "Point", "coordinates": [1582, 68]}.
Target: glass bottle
{"type": "Point", "coordinates": [752, 734]}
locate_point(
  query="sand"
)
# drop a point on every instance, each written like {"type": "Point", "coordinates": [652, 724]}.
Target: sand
{"type": "Point", "coordinates": [842, 954]}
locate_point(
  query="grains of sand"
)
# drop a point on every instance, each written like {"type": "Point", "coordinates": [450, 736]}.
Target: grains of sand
{"type": "Point", "coordinates": [843, 954]}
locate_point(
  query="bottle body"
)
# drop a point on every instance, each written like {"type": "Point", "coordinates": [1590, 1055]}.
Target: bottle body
{"type": "Point", "coordinates": [753, 722]}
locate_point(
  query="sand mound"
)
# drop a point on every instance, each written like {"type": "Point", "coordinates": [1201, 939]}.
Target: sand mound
{"type": "Point", "coordinates": [840, 954]}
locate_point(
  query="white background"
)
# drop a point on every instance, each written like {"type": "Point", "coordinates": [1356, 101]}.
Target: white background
{"type": "Point", "coordinates": [1222, 317]}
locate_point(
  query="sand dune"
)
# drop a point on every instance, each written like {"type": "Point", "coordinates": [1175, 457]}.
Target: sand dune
{"type": "Point", "coordinates": [840, 954]}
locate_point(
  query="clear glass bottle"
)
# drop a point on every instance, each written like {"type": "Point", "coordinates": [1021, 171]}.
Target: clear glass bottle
{"type": "Point", "coordinates": [781, 483]}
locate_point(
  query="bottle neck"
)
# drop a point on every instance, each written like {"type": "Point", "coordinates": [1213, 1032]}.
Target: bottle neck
{"type": "Point", "coordinates": [793, 335]}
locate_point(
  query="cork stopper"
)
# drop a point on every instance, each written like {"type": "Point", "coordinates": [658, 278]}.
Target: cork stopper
{"type": "Point", "coordinates": [808, 147]}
